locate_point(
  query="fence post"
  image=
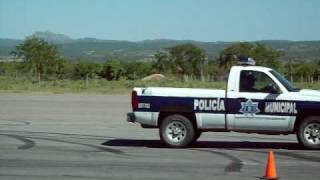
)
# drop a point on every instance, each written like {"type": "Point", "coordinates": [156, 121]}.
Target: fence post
{"type": "Point", "coordinates": [185, 78]}
{"type": "Point", "coordinates": [87, 81]}
{"type": "Point", "coordinates": [39, 76]}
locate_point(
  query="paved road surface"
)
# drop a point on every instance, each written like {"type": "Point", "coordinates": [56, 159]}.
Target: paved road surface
{"type": "Point", "coordinates": [86, 137]}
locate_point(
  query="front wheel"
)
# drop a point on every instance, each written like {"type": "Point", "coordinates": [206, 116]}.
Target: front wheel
{"type": "Point", "coordinates": [177, 131]}
{"type": "Point", "coordinates": [309, 132]}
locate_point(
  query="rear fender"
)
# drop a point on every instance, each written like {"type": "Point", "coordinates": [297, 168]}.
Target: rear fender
{"type": "Point", "coordinates": [186, 111]}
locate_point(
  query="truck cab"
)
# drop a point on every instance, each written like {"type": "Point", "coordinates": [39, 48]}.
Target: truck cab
{"type": "Point", "coordinates": [256, 100]}
{"type": "Point", "coordinates": [259, 101]}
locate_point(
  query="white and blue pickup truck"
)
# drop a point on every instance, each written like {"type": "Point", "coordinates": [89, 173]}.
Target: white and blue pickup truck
{"type": "Point", "coordinates": [256, 100]}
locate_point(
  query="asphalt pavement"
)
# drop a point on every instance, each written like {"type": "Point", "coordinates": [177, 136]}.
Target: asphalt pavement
{"type": "Point", "coordinates": [81, 136]}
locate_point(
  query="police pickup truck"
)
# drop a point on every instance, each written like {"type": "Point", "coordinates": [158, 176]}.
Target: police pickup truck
{"type": "Point", "coordinates": [256, 100]}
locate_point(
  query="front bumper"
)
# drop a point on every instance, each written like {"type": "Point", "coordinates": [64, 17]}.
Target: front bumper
{"type": "Point", "coordinates": [131, 117]}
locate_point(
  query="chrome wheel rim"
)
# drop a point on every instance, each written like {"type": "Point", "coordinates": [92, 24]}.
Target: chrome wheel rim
{"type": "Point", "coordinates": [176, 131]}
{"type": "Point", "coordinates": [312, 133]}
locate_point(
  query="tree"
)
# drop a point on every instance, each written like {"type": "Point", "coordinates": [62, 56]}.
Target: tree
{"type": "Point", "coordinates": [82, 70]}
{"type": "Point", "coordinates": [184, 60]}
{"type": "Point", "coordinates": [63, 69]}
{"type": "Point", "coordinates": [229, 56]}
{"type": "Point", "coordinates": [306, 71]}
{"type": "Point", "coordinates": [318, 71]}
{"type": "Point", "coordinates": [38, 55]}
{"type": "Point", "coordinates": [8, 68]}
{"type": "Point", "coordinates": [214, 72]}
{"type": "Point", "coordinates": [262, 54]}
{"type": "Point", "coordinates": [137, 70]}
{"type": "Point", "coordinates": [189, 59]}
{"type": "Point", "coordinates": [267, 56]}
{"type": "Point", "coordinates": [112, 70]}
{"type": "Point", "coordinates": [161, 63]}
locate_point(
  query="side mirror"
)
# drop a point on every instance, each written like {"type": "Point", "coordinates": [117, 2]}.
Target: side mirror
{"type": "Point", "coordinates": [274, 89]}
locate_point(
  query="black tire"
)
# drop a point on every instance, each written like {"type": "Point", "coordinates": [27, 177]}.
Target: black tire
{"type": "Point", "coordinates": [308, 132]}
{"type": "Point", "coordinates": [176, 131]}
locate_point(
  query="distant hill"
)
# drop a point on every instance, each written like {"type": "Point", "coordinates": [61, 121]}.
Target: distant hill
{"type": "Point", "coordinates": [101, 50]}
{"type": "Point", "coordinates": [52, 37]}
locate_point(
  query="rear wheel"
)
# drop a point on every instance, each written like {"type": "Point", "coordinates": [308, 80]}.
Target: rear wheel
{"type": "Point", "coordinates": [177, 131]}
{"type": "Point", "coordinates": [309, 132]}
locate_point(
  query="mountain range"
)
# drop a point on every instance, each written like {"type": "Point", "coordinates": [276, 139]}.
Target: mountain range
{"type": "Point", "coordinates": [100, 50]}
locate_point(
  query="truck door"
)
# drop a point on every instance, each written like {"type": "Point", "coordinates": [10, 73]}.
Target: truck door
{"type": "Point", "coordinates": [248, 106]}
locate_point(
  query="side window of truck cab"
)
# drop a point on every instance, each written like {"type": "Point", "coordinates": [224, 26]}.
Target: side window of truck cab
{"type": "Point", "coordinates": [257, 82]}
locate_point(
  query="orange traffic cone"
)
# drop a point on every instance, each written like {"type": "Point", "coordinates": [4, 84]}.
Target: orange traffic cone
{"type": "Point", "coordinates": [271, 172]}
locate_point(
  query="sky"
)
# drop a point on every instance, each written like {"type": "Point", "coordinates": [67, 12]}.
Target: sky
{"type": "Point", "coordinates": [136, 20]}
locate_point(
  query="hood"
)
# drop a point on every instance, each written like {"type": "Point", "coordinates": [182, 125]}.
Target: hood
{"type": "Point", "coordinates": [308, 95]}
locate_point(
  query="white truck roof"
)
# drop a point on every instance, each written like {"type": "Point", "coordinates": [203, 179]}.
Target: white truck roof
{"type": "Point", "coordinates": [234, 76]}
{"type": "Point", "coordinates": [252, 68]}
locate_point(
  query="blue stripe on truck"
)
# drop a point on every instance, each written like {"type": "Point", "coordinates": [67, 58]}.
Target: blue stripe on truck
{"type": "Point", "coordinates": [220, 105]}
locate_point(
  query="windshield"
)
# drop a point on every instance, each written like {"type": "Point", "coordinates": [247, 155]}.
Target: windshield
{"type": "Point", "coordinates": [284, 81]}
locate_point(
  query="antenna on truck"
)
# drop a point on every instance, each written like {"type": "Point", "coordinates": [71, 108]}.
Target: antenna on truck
{"type": "Point", "coordinates": [246, 61]}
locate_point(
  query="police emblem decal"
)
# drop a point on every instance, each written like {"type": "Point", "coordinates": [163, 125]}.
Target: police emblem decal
{"type": "Point", "coordinates": [249, 108]}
